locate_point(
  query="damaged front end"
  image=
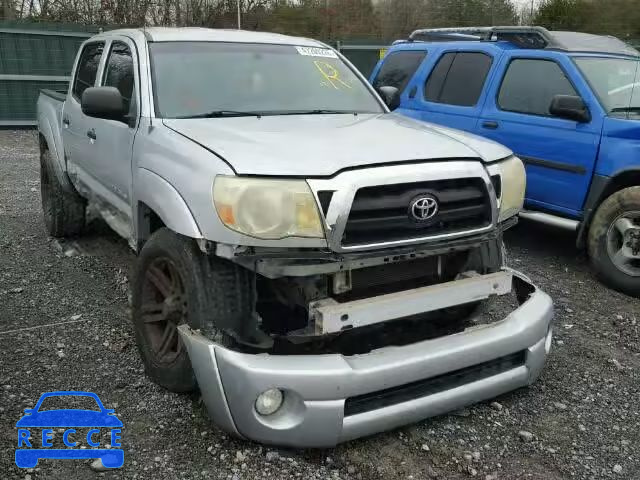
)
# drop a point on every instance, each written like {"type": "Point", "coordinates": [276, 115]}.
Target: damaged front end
{"type": "Point", "coordinates": [333, 397]}
{"type": "Point", "coordinates": [315, 297]}
{"type": "Point", "coordinates": [362, 343]}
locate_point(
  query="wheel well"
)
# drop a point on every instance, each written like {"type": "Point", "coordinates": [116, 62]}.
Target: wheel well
{"type": "Point", "coordinates": [622, 180]}
{"type": "Point", "coordinates": [148, 222]}
{"type": "Point", "coordinates": [629, 178]}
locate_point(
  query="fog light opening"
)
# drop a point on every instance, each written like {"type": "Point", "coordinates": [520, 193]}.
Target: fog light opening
{"type": "Point", "coordinates": [269, 401]}
{"type": "Point", "coordinates": [547, 341]}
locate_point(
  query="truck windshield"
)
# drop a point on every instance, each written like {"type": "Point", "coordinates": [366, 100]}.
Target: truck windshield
{"type": "Point", "coordinates": [615, 81]}
{"type": "Point", "coordinates": [200, 79]}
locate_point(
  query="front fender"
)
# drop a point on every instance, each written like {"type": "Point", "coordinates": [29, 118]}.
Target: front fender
{"type": "Point", "coordinates": [160, 196]}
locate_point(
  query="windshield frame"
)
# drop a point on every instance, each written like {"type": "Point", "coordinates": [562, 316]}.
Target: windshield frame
{"type": "Point", "coordinates": [596, 93]}
{"type": "Point", "coordinates": [359, 76]}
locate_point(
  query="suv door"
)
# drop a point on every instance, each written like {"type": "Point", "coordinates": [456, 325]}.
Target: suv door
{"type": "Point", "coordinates": [114, 138]}
{"type": "Point", "coordinates": [450, 89]}
{"type": "Point", "coordinates": [559, 154]}
{"type": "Point", "coordinates": [76, 126]}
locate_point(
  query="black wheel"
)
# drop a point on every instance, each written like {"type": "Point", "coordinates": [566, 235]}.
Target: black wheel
{"type": "Point", "coordinates": [614, 241]}
{"type": "Point", "coordinates": [64, 211]}
{"type": "Point", "coordinates": [175, 283]}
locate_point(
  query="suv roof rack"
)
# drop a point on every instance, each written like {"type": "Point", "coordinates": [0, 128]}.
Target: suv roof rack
{"type": "Point", "coordinates": [527, 37]}
{"type": "Point", "coordinates": [524, 37]}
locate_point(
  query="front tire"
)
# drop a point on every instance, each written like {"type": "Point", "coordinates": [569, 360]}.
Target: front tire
{"type": "Point", "coordinates": [614, 241]}
{"type": "Point", "coordinates": [64, 211]}
{"type": "Point", "coordinates": [175, 283]}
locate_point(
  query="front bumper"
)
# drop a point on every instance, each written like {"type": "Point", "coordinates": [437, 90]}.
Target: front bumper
{"type": "Point", "coordinates": [334, 398]}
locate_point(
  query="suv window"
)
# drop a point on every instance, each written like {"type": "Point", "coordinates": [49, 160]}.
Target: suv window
{"type": "Point", "coordinates": [458, 78]}
{"type": "Point", "coordinates": [530, 84]}
{"type": "Point", "coordinates": [398, 68]}
{"type": "Point", "coordinates": [119, 74]}
{"type": "Point", "coordinates": [87, 68]}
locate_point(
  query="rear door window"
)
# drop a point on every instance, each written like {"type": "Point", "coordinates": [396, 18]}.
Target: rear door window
{"type": "Point", "coordinates": [530, 84]}
{"type": "Point", "coordinates": [458, 78]}
{"type": "Point", "coordinates": [398, 68]}
{"type": "Point", "coordinates": [87, 69]}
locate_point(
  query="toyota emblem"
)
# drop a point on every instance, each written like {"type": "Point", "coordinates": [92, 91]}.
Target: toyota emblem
{"type": "Point", "coordinates": [423, 208]}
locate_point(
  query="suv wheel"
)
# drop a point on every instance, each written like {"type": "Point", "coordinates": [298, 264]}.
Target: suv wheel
{"type": "Point", "coordinates": [64, 211]}
{"type": "Point", "coordinates": [174, 283]}
{"type": "Point", "coordinates": [614, 241]}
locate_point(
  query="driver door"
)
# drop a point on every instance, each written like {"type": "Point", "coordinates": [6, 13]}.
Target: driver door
{"type": "Point", "coordinates": [559, 154]}
{"type": "Point", "coordinates": [114, 138]}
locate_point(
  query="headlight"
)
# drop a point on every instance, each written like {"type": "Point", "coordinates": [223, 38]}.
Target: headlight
{"type": "Point", "coordinates": [513, 179]}
{"type": "Point", "coordinates": [268, 209]}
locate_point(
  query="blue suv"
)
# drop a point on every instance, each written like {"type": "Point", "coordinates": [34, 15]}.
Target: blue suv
{"type": "Point", "coordinates": [567, 103]}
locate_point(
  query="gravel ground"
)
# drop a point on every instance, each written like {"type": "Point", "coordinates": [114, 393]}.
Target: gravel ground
{"type": "Point", "coordinates": [580, 420]}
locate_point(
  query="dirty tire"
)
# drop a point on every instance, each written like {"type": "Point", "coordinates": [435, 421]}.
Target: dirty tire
{"type": "Point", "coordinates": [613, 207]}
{"type": "Point", "coordinates": [64, 211]}
{"type": "Point", "coordinates": [209, 287]}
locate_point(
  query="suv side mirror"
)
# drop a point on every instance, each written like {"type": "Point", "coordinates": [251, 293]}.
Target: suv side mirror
{"type": "Point", "coordinates": [570, 107]}
{"type": "Point", "coordinates": [390, 95]}
{"type": "Point", "coordinates": [103, 102]}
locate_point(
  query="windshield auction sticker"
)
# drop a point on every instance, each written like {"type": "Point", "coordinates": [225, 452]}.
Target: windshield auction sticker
{"type": "Point", "coordinates": [47, 431]}
{"type": "Point", "coordinates": [316, 52]}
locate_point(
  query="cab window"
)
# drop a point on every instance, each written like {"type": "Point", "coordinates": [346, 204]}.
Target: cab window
{"type": "Point", "coordinates": [87, 69]}
{"type": "Point", "coordinates": [530, 84]}
{"type": "Point", "coordinates": [458, 78]}
{"type": "Point", "coordinates": [119, 73]}
{"type": "Point", "coordinates": [398, 68]}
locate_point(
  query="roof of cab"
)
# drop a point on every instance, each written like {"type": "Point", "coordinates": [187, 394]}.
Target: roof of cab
{"type": "Point", "coordinates": [197, 34]}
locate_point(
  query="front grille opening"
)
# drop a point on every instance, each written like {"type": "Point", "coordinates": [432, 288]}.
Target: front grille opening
{"type": "Point", "coordinates": [496, 181]}
{"type": "Point", "coordinates": [430, 386]}
{"type": "Point", "coordinates": [381, 213]}
{"type": "Point", "coordinates": [325, 196]}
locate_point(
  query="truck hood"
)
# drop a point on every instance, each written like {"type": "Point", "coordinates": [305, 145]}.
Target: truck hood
{"type": "Point", "coordinates": [321, 145]}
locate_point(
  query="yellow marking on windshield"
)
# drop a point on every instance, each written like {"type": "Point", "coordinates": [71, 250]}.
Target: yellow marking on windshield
{"type": "Point", "coordinates": [332, 75]}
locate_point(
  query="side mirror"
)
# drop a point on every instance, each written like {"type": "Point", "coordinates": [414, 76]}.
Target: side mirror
{"type": "Point", "coordinates": [28, 411]}
{"type": "Point", "coordinates": [391, 96]}
{"type": "Point", "coordinates": [570, 107]}
{"type": "Point", "coordinates": [103, 102]}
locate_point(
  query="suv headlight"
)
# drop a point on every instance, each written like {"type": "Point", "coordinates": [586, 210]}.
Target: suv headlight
{"type": "Point", "coordinates": [266, 208]}
{"type": "Point", "coordinates": [513, 180]}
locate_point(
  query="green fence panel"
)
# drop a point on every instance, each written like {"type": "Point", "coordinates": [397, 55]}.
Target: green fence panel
{"type": "Point", "coordinates": [34, 56]}
{"type": "Point", "coordinates": [363, 56]}
{"type": "Point", "coordinates": [18, 100]}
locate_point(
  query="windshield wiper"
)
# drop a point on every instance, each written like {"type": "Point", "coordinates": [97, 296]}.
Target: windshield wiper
{"type": "Point", "coordinates": [625, 109]}
{"type": "Point", "coordinates": [317, 111]}
{"type": "Point", "coordinates": [223, 113]}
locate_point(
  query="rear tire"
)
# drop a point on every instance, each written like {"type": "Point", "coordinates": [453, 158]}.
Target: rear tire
{"type": "Point", "coordinates": [175, 283]}
{"type": "Point", "coordinates": [605, 240]}
{"type": "Point", "coordinates": [64, 211]}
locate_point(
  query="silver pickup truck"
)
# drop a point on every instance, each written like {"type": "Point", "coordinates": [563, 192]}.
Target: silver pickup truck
{"type": "Point", "coordinates": [319, 267]}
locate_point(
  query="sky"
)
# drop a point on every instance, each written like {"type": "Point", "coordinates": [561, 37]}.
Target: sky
{"type": "Point", "coordinates": [520, 3]}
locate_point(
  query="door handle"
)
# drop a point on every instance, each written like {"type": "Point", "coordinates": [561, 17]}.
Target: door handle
{"type": "Point", "coordinates": [66, 122]}
{"type": "Point", "coordinates": [491, 125]}
{"type": "Point", "coordinates": [92, 134]}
